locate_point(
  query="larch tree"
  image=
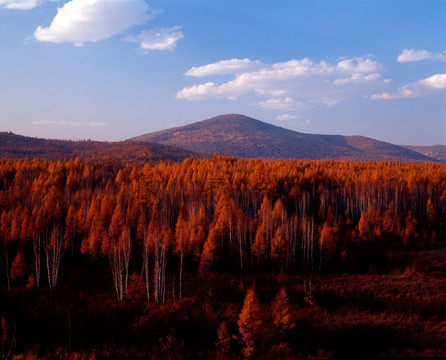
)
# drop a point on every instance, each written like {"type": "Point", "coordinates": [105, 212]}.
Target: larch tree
{"type": "Point", "coordinates": [260, 246]}
{"type": "Point", "coordinates": [183, 246]}
{"type": "Point", "coordinates": [224, 339]}
{"type": "Point", "coordinates": [209, 252]}
{"type": "Point", "coordinates": [5, 232]}
{"type": "Point", "coordinates": [279, 248]}
{"type": "Point", "coordinates": [241, 227]}
{"type": "Point", "coordinates": [250, 324]}
{"type": "Point", "coordinates": [37, 243]}
{"type": "Point", "coordinates": [18, 266]}
{"type": "Point", "coordinates": [282, 314]}
{"type": "Point", "coordinates": [431, 213]}
{"type": "Point", "coordinates": [327, 243]}
{"type": "Point", "coordinates": [142, 234]}
{"type": "Point", "coordinates": [70, 227]}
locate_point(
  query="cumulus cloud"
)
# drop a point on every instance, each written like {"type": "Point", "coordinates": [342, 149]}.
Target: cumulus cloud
{"type": "Point", "coordinates": [306, 122]}
{"type": "Point", "coordinates": [409, 55]}
{"type": "Point", "coordinates": [19, 4]}
{"type": "Point", "coordinates": [157, 39]}
{"type": "Point", "coordinates": [280, 104]}
{"type": "Point", "coordinates": [68, 123]}
{"type": "Point", "coordinates": [224, 67]}
{"type": "Point", "coordinates": [286, 117]}
{"type": "Point", "coordinates": [431, 85]}
{"type": "Point", "coordinates": [79, 21]}
{"type": "Point", "coordinates": [290, 84]}
{"type": "Point", "coordinates": [357, 65]}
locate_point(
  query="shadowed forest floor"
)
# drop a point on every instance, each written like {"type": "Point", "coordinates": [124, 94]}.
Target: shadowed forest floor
{"type": "Point", "coordinates": [397, 314]}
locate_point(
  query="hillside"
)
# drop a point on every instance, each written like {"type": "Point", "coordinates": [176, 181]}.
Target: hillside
{"type": "Point", "coordinates": [435, 151]}
{"type": "Point", "coordinates": [242, 136]}
{"type": "Point", "coordinates": [15, 146]}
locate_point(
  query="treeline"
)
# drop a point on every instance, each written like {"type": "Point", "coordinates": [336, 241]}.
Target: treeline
{"type": "Point", "coordinates": [14, 146]}
{"type": "Point", "coordinates": [218, 215]}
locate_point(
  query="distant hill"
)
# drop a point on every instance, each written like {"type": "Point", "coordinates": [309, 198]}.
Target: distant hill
{"type": "Point", "coordinates": [245, 137]}
{"type": "Point", "coordinates": [435, 151]}
{"type": "Point", "coordinates": [18, 147]}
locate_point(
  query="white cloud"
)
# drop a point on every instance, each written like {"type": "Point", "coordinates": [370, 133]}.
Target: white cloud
{"type": "Point", "coordinates": [357, 77]}
{"type": "Point", "coordinates": [97, 124]}
{"type": "Point", "coordinates": [306, 122]}
{"type": "Point", "coordinates": [280, 104]}
{"type": "Point", "coordinates": [409, 55]}
{"type": "Point", "coordinates": [224, 67]}
{"type": "Point", "coordinates": [68, 123]}
{"type": "Point", "coordinates": [305, 81]}
{"type": "Point", "coordinates": [19, 4]}
{"type": "Point", "coordinates": [286, 117]}
{"type": "Point", "coordinates": [358, 65]}
{"type": "Point", "coordinates": [79, 21]}
{"type": "Point", "coordinates": [157, 39]}
{"type": "Point", "coordinates": [431, 85]}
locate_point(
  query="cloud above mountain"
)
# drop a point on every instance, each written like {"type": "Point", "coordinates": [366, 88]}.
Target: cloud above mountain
{"type": "Point", "coordinates": [288, 85]}
{"type": "Point", "coordinates": [428, 86]}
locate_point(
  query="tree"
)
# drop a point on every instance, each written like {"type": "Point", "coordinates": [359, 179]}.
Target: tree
{"type": "Point", "coordinates": [119, 255]}
{"type": "Point", "coordinates": [53, 248]}
{"type": "Point", "coordinates": [281, 313]}
{"type": "Point", "coordinates": [327, 243]}
{"type": "Point", "coordinates": [409, 231]}
{"type": "Point", "coordinates": [51, 223]}
{"type": "Point", "coordinates": [431, 214]}
{"type": "Point", "coordinates": [182, 246]}
{"type": "Point", "coordinates": [260, 245]}
{"type": "Point", "coordinates": [142, 234]}
{"type": "Point", "coordinates": [5, 232]}
{"type": "Point", "coordinates": [18, 266]}
{"type": "Point", "coordinates": [160, 240]}
{"type": "Point", "coordinates": [70, 227]}
{"type": "Point", "coordinates": [224, 339]}
{"type": "Point", "coordinates": [208, 254]}
{"type": "Point", "coordinates": [279, 214]}
{"type": "Point", "coordinates": [250, 323]}
{"type": "Point", "coordinates": [241, 226]}
{"type": "Point", "coordinates": [279, 247]}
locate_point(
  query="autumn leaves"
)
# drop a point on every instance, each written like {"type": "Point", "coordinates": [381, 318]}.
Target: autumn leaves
{"type": "Point", "coordinates": [251, 321]}
{"type": "Point", "coordinates": [204, 215]}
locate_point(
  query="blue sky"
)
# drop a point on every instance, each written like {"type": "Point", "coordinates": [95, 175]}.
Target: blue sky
{"type": "Point", "coordinates": [114, 69]}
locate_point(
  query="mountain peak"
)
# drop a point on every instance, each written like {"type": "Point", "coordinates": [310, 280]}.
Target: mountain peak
{"type": "Point", "coordinates": [242, 136]}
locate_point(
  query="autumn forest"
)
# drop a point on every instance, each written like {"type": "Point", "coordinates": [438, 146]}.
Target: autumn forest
{"type": "Point", "coordinates": [222, 258]}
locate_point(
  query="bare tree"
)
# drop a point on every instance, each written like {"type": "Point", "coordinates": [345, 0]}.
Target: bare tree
{"type": "Point", "coordinates": [53, 247]}
{"type": "Point", "coordinates": [119, 255]}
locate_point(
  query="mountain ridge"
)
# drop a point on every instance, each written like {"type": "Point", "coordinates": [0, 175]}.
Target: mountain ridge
{"type": "Point", "coordinates": [242, 136]}
{"type": "Point", "coordinates": [434, 151]}
{"type": "Point", "coordinates": [16, 146]}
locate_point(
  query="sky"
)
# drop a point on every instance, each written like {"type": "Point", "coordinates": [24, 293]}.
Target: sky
{"type": "Point", "coordinates": [114, 69]}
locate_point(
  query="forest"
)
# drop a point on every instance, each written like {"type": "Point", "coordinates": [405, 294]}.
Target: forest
{"type": "Point", "coordinates": [222, 258]}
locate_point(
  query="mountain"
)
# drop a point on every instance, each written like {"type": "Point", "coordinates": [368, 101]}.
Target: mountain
{"type": "Point", "coordinates": [16, 147]}
{"type": "Point", "coordinates": [241, 136]}
{"type": "Point", "coordinates": [435, 151]}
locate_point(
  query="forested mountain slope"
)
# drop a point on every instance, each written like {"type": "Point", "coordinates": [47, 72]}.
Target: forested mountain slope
{"type": "Point", "coordinates": [15, 146]}
{"type": "Point", "coordinates": [435, 151]}
{"type": "Point", "coordinates": [241, 136]}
